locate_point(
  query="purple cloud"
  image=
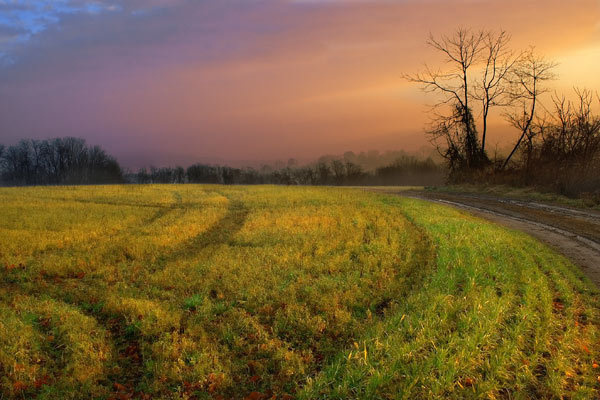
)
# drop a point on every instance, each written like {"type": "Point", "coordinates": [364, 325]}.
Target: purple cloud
{"type": "Point", "coordinates": [174, 81]}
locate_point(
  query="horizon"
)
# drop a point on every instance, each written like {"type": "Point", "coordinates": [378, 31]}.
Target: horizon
{"type": "Point", "coordinates": [178, 82]}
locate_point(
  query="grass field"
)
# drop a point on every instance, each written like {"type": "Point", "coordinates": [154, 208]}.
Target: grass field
{"type": "Point", "coordinates": [184, 291]}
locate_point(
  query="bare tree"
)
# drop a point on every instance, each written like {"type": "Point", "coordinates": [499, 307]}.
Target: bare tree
{"type": "Point", "coordinates": [460, 52]}
{"type": "Point", "coordinates": [574, 137]}
{"type": "Point", "coordinates": [339, 171]}
{"type": "Point", "coordinates": [586, 142]}
{"type": "Point", "coordinates": [478, 66]}
{"type": "Point", "coordinates": [492, 88]}
{"type": "Point", "coordinates": [323, 173]}
{"type": "Point", "coordinates": [528, 78]}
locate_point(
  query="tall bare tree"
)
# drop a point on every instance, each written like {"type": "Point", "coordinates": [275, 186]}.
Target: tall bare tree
{"type": "Point", "coordinates": [528, 78]}
{"type": "Point", "coordinates": [460, 51]}
{"type": "Point", "coordinates": [492, 88]}
{"type": "Point", "coordinates": [477, 68]}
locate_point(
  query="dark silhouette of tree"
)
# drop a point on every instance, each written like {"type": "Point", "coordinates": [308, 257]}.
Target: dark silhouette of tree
{"type": "Point", "coordinates": [323, 173]}
{"type": "Point", "coordinates": [527, 79]}
{"type": "Point", "coordinates": [456, 129]}
{"type": "Point", "coordinates": [199, 173]}
{"type": "Point", "coordinates": [142, 176]}
{"type": "Point", "coordinates": [565, 146]}
{"type": "Point", "coordinates": [492, 88]}
{"type": "Point", "coordinates": [179, 175]}
{"type": "Point", "coordinates": [334, 172]}
{"type": "Point", "coordinates": [57, 161]}
{"type": "Point", "coordinates": [354, 173]}
{"type": "Point", "coordinates": [409, 170]}
{"type": "Point", "coordinates": [558, 149]}
{"type": "Point", "coordinates": [339, 171]}
{"type": "Point", "coordinates": [162, 175]}
{"type": "Point", "coordinates": [477, 69]}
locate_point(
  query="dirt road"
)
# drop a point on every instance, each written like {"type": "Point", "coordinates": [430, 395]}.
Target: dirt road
{"type": "Point", "coordinates": [573, 232]}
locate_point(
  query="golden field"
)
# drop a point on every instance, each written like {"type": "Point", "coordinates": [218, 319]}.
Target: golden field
{"type": "Point", "coordinates": [191, 291]}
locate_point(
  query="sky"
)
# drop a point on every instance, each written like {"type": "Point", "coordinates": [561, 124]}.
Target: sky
{"type": "Point", "coordinates": [175, 82]}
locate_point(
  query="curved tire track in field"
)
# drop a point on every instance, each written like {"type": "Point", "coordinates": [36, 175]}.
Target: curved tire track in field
{"type": "Point", "coordinates": [160, 213]}
{"type": "Point", "coordinates": [421, 262]}
{"type": "Point", "coordinates": [431, 252]}
{"type": "Point", "coordinates": [163, 211]}
{"type": "Point", "coordinates": [128, 343]}
{"type": "Point", "coordinates": [66, 337]}
{"type": "Point", "coordinates": [219, 233]}
{"type": "Point", "coordinates": [557, 282]}
{"type": "Point", "coordinates": [101, 202]}
{"type": "Point", "coordinates": [125, 342]}
{"type": "Point", "coordinates": [424, 257]}
{"type": "Point", "coordinates": [572, 233]}
{"type": "Point", "coordinates": [576, 245]}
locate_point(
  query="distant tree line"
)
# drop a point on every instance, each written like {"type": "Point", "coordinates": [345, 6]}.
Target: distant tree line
{"type": "Point", "coordinates": [406, 170]}
{"type": "Point", "coordinates": [368, 160]}
{"type": "Point", "coordinates": [70, 161]}
{"type": "Point", "coordinates": [60, 161]}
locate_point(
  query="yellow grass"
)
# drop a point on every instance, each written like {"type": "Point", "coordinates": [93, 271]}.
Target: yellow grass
{"type": "Point", "coordinates": [186, 291]}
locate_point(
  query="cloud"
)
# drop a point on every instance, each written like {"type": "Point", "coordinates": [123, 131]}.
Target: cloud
{"type": "Point", "coordinates": [244, 78]}
{"type": "Point", "coordinates": [29, 18]}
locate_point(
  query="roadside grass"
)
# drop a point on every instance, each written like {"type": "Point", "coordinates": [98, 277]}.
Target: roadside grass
{"type": "Point", "coordinates": [525, 193]}
{"type": "Point", "coordinates": [188, 291]}
{"type": "Point", "coordinates": [500, 316]}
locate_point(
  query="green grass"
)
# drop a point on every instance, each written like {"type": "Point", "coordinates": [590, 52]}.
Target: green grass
{"type": "Point", "coordinates": [184, 291]}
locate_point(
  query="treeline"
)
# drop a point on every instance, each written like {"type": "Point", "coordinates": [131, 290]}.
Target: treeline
{"type": "Point", "coordinates": [406, 170]}
{"type": "Point", "coordinates": [557, 146]}
{"type": "Point", "coordinates": [60, 161]}
{"type": "Point", "coordinates": [70, 161]}
{"type": "Point", "coordinates": [369, 160]}
{"type": "Point", "coordinates": [560, 150]}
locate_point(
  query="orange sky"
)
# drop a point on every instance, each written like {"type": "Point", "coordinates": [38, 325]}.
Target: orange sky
{"type": "Point", "coordinates": [185, 81]}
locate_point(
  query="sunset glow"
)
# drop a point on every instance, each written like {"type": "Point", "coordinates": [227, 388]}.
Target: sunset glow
{"type": "Point", "coordinates": [166, 82]}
